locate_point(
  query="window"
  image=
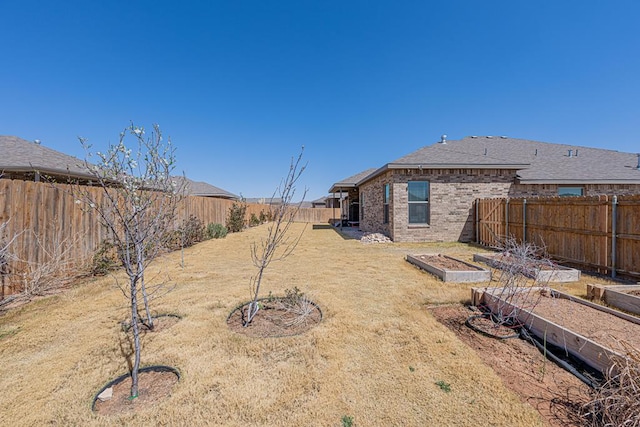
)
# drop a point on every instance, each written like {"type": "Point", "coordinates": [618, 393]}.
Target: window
{"type": "Point", "coordinates": [361, 206]}
{"type": "Point", "coordinates": [385, 203]}
{"type": "Point", "coordinates": [418, 202]}
{"type": "Point", "coordinates": [570, 191]}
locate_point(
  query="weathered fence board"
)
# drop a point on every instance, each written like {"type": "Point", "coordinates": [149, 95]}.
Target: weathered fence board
{"type": "Point", "coordinates": [597, 233]}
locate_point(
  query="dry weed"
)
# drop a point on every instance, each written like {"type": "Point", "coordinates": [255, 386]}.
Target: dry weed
{"type": "Point", "coordinates": [617, 401]}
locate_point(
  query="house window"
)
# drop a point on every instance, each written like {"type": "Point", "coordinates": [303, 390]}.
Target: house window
{"type": "Point", "coordinates": [418, 202]}
{"type": "Point", "coordinates": [385, 203]}
{"type": "Point", "coordinates": [570, 191]}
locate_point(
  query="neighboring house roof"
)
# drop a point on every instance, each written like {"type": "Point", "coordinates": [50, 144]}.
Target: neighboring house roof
{"type": "Point", "coordinates": [203, 189]}
{"type": "Point", "coordinates": [21, 156]}
{"type": "Point", "coordinates": [264, 200]}
{"type": "Point", "coordinates": [320, 201]}
{"type": "Point", "coordinates": [351, 182]}
{"type": "Point", "coordinates": [536, 162]}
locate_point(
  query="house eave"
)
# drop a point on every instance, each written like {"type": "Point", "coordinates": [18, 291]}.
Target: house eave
{"type": "Point", "coordinates": [580, 181]}
{"type": "Point", "coordinates": [47, 171]}
{"type": "Point", "coordinates": [438, 166]}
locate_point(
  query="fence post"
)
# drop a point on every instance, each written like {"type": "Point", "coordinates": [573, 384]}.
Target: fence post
{"type": "Point", "coordinates": [524, 220]}
{"type": "Point", "coordinates": [614, 231]}
{"type": "Point", "coordinates": [477, 204]}
{"type": "Point", "coordinates": [506, 218]}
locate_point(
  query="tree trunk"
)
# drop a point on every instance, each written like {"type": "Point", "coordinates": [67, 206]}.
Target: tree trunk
{"type": "Point", "coordinates": [136, 338]}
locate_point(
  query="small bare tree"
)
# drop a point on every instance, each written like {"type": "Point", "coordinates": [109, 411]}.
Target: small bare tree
{"type": "Point", "coordinates": [278, 244]}
{"type": "Point", "coordinates": [138, 204]}
{"type": "Point", "coordinates": [520, 284]}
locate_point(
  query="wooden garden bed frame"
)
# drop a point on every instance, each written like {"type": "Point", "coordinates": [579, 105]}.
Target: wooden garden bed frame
{"type": "Point", "coordinates": [590, 352]}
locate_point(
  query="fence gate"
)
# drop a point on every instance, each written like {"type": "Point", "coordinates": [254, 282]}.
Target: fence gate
{"type": "Point", "coordinates": [490, 224]}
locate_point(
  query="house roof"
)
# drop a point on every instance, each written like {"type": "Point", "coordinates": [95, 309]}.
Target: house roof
{"type": "Point", "coordinates": [536, 162]}
{"type": "Point", "coordinates": [19, 155]}
{"type": "Point", "coordinates": [351, 182]}
{"type": "Point", "coordinates": [203, 189]}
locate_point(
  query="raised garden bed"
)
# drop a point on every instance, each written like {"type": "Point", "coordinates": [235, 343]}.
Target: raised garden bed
{"type": "Point", "coordinates": [588, 331]}
{"type": "Point", "coordinates": [450, 269]}
{"type": "Point", "coordinates": [556, 274]}
{"type": "Point", "coordinates": [623, 297]}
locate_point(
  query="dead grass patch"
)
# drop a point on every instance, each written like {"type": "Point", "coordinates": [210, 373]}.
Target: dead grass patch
{"type": "Point", "coordinates": [377, 356]}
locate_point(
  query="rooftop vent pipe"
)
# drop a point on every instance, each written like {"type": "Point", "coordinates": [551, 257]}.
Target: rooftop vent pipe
{"type": "Point", "coordinates": [570, 153]}
{"type": "Point", "coordinates": [638, 167]}
{"type": "Point", "coordinates": [443, 139]}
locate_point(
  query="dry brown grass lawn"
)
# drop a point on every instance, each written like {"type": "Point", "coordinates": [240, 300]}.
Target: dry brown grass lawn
{"type": "Point", "coordinates": [376, 356]}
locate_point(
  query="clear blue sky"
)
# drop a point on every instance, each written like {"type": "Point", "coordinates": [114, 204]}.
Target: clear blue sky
{"type": "Point", "coordinates": [240, 86]}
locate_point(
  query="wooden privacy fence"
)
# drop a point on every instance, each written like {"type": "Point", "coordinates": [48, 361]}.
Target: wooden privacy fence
{"type": "Point", "coordinates": [43, 221]}
{"type": "Point", "coordinates": [597, 233]}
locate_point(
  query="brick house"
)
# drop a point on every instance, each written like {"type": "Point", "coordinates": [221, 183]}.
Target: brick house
{"type": "Point", "coordinates": [429, 195]}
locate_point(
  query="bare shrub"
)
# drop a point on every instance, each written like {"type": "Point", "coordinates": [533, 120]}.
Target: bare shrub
{"type": "Point", "coordinates": [519, 284]}
{"type": "Point", "coordinates": [617, 401]}
{"type": "Point", "coordinates": [5, 256]}
{"type": "Point", "coordinates": [54, 269]}
{"type": "Point", "coordinates": [298, 305]}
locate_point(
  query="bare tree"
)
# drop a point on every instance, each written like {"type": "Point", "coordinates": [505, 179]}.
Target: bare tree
{"type": "Point", "coordinates": [138, 204]}
{"type": "Point", "coordinates": [520, 284]}
{"type": "Point", "coordinates": [278, 244]}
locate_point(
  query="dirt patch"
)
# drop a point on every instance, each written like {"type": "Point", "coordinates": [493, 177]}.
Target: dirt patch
{"type": "Point", "coordinates": [634, 293]}
{"type": "Point", "coordinates": [153, 386]}
{"type": "Point", "coordinates": [445, 263]}
{"type": "Point", "coordinates": [556, 394]}
{"type": "Point", "coordinates": [273, 320]}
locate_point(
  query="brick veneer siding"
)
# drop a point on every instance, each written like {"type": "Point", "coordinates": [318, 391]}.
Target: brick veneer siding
{"type": "Point", "coordinates": [452, 194]}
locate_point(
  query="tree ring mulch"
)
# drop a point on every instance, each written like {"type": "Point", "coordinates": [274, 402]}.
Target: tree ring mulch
{"type": "Point", "coordinates": [154, 385]}
{"type": "Point", "coordinates": [160, 323]}
{"type": "Point", "coordinates": [273, 320]}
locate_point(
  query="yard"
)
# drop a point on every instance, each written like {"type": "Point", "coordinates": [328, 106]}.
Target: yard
{"type": "Point", "coordinates": [379, 357]}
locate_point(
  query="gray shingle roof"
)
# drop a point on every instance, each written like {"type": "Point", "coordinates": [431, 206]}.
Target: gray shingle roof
{"type": "Point", "coordinates": [536, 162]}
{"type": "Point", "coordinates": [203, 189]}
{"type": "Point", "coordinates": [351, 182]}
{"type": "Point", "coordinates": [19, 155]}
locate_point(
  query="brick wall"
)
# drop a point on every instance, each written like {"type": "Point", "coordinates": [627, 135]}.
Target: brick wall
{"type": "Point", "coordinates": [452, 193]}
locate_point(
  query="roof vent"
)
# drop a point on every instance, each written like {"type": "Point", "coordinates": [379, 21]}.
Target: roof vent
{"type": "Point", "coordinates": [485, 151]}
{"type": "Point", "coordinates": [489, 136]}
{"type": "Point", "coordinates": [474, 136]}
{"type": "Point", "coordinates": [443, 139]}
{"type": "Point", "coordinates": [576, 153]}
{"type": "Point", "coordinates": [638, 167]}
{"type": "Point", "coordinates": [503, 137]}
{"type": "Point", "coordinates": [570, 154]}
{"type": "Point", "coordinates": [37, 141]}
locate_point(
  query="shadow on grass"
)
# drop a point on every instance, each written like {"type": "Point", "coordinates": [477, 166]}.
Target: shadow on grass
{"type": "Point", "coordinates": [344, 233]}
